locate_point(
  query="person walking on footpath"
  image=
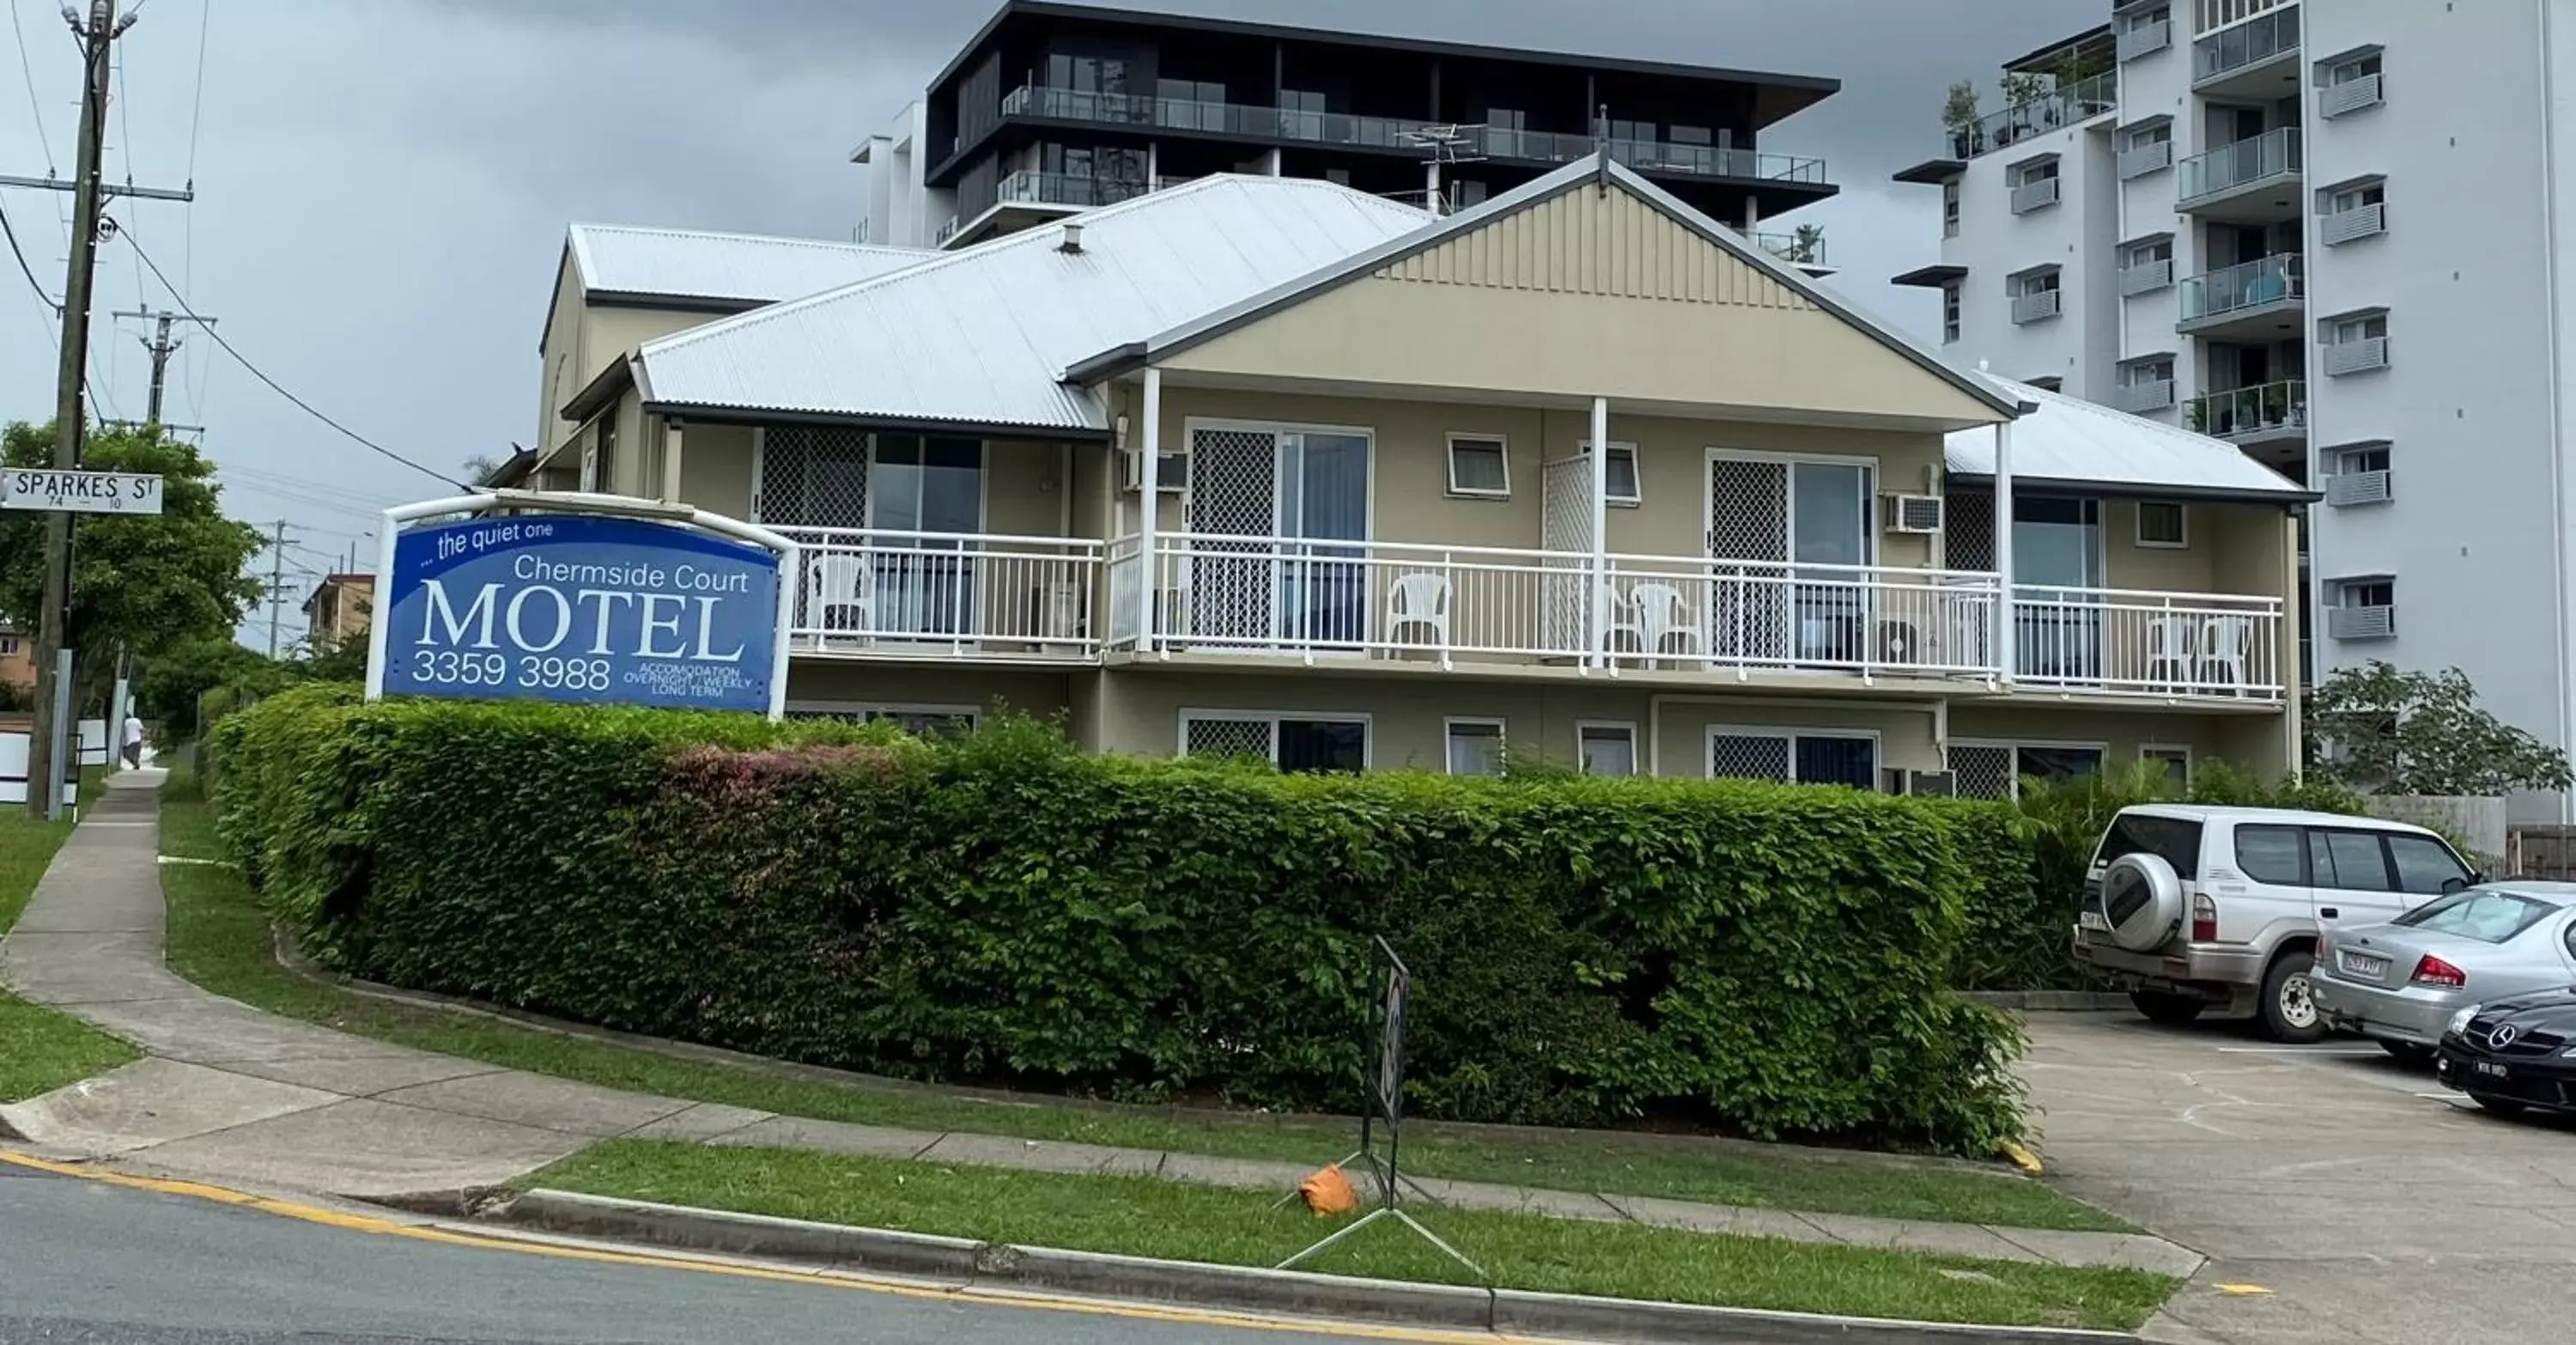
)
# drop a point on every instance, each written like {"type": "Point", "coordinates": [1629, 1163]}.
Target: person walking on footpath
{"type": "Point", "coordinates": [133, 741]}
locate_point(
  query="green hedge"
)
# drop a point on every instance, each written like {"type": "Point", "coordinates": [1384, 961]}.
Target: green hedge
{"type": "Point", "coordinates": [1002, 909]}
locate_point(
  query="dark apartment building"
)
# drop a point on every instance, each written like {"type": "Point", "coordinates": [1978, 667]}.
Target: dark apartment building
{"type": "Point", "coordinates": [1055, 108]}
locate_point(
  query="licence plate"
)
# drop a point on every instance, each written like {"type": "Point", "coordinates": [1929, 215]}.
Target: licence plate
{"type": "Point", "coordinates": [2093, 920]}
{"type": "Point", "coordinates": [2488, 1069]}
{"type": "Point", "coordinates": [2362, 964]}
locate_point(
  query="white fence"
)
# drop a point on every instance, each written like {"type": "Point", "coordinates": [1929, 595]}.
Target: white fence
{"type": "Point", "coordinates": [2181, 644]}
{"type": "Point", "coordinates": [945, 595]}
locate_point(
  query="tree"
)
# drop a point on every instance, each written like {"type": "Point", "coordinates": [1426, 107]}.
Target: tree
{"type": "Point", "coordinates": [140, 583]}
{"type": "Point", "coordinates": [2382, 730]}
{"type": "Point", "coordinates": [342, 662]}
{"type": "Point", "coordinates": [480, 467]}
{"type": "Point", "coordinates": [1959, 113]}
{"type": "Point", "coordinates": [167, 692]}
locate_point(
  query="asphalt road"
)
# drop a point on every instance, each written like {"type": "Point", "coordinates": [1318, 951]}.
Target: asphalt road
{"type": "Point", "coordinates": [84, 1261]}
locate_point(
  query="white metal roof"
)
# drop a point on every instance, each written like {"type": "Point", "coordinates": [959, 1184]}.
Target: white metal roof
{"type": "Point", "coordinates": [2075, 442]}
{"type": "Point", "coordinates": [734, 268]}
{"type": "Point", "coordinates": [983, 336]}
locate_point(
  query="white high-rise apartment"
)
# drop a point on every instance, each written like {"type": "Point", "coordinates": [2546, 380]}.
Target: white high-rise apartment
{"type": "Point", "coordinates": [2342, 235]}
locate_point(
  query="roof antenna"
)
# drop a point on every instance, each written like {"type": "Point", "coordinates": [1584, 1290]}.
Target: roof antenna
{"type": "Point", "coordinates": [1072, 237]}
{"type": "Point", "coordinates": [1601, 149]}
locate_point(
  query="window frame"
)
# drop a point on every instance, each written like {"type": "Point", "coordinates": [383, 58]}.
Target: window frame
{"type": "Point", "coordinates": [1502, 446]}
{"type": "Point", "coordinates": [1636, 473]}
{"type": "Point", "coordinates": [2159, 368]}
{"type": "Point", "coordinates": [2465, 873]}
{"type": "Point", "coordinates": [1954, 310]}
{"type": "Point", "coordinates": [1625, 727]}
{"type": "Point", "coordinates": [2137, 253]}
{"type": "Point", "coordinates": [2345, 456]}
{"type": "Point", "coordinates": [2346, 589]}
{"type": "Point", "coordinates": [1449, 726]}
{"type": "Point", "coordinates": [2299, 841]}
{"type": "Point", "coordinates": [1792, 734]}
{"type": "Point", "coordinates": [2168, 753]}
{"type": "Point", "coordinates": [2012, 785]}
{"type": "Point", "coordinates": [2378, 845]}
{"type": "Point", "coordinates": [1275, 718]}
{"type": "Point", "coordinates": [2182, 520]}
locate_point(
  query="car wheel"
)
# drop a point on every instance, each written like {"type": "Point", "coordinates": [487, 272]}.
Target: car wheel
{"type": "Point", "coordinates": [2501, 1106]}
{"type": "Point", "coordinates": [2162, 1007]}
{"type": "Point", "coordinates": [2289, 1011]}
{"type": "Point", "coordinates": [2410, 1054]}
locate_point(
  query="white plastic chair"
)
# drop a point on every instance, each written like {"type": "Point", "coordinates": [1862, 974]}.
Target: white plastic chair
{"type": "Point", "coordinates": [2228, 645]}
{"type": "Point", "coordinates": [1418, 599]}
{"type": "Point", "coordinates": [1663, 614]}
{"type": "Point", "coordinates": [841, 588]}
{"type": "Point", "coordinates": [2171, 644]}
{"type": "Point", "coordinates": [1610, 611]}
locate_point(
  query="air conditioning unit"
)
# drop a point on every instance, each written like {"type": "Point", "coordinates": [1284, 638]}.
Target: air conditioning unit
{"type": "Point", "coordinates": [1171, 470]}
{"type": "Point", "coordinates": [1918, 514]}
{"type": "Point", "coordinates": [1935, 784]}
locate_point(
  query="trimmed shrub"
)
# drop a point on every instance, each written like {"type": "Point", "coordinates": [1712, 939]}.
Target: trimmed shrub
{"type": "Point", "coordinates": [999, 908]}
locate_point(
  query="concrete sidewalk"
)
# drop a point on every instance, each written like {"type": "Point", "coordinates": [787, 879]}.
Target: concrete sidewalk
{"type": "Point", "coordinates": [234, 1095]}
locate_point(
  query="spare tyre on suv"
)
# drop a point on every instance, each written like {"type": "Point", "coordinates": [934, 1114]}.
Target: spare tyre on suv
{"type": "Point", "coordinates": [2193, 908]}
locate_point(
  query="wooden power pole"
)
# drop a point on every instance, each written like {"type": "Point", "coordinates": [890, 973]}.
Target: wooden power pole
{"type": "Point", "coordinates": [44, 769]}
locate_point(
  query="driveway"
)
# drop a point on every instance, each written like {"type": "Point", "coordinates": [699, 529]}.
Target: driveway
{"type": "Point", "coordinates": [2363, 1201]}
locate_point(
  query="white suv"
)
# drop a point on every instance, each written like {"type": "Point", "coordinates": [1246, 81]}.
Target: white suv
{"type": "Point", "coordinates": [2191, 907]}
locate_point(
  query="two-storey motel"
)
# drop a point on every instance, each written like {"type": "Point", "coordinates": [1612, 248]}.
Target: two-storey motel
{"type": "Point", "coordinates": [1272, 465]}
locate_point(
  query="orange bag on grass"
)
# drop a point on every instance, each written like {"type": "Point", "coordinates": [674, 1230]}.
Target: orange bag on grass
{"type": "Point", "coordinates": [1329, 1193]}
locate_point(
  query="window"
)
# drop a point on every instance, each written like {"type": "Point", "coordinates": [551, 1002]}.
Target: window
{"type": "Point", "coordinates": [2177, 763]}
{"type": "Point", "coordinates": [2369, 327]}
{"type": "Point", "coordinates": [2349, 860]}
{"type": "Point", "coordinates": [2034, 294]}
{"type": "Point", "coordinates": [2359, 67]}
{"type": "Point", "coordinates": [1950, 207]}
{"type": "Point", "coordinates": [2488, 917]}
{"type": "Point", "coordinates": [1475, 746]}
{"type": "Point", "coordinates": [603, 472]}
{"type": "Point", "coordinates": [2147, 252]}
{"type": "Point", "coordinates": [1793, 757]}
{"type": "Point", "coordinates": [1606, 749]}
{"type": "Point", "coordinates": [8, 645]}
{"type": "Point", "coordinates": [1625, 488]}
{"type": "Point", "coordinates": [2425, 865]}
{"type": "Point", "coordinates": [2164, 524]}
{"type": "Point", "coordinates": [1480, 467]}
{"type": "Point", "coordinates": [1293, 743]}
{"type": "Point", "coordinates": [2176, 840]}
{"type": "Point", "coordinates": [2361, 458]}
{"type": "Point", "coordinates": [921, 721]}
{"type": "Point", "coordinates": [1950, 298]}
{"type": "Point", "coordinates": [2274, 855]}
{"type": "Point", "coordinates": [2146, 133]}
{"type": "Point", "coordinates": [2368, 593]}
{"type": "Point", "coordinates": [2341, 199]}
{"type": "Point", "coordinates": [2142, 373]}
{"type": "Point", "coordinates": [1995, 770]}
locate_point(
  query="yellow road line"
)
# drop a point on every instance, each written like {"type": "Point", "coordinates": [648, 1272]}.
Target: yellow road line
{"type": "Point", "coordinates": [362, 1223]}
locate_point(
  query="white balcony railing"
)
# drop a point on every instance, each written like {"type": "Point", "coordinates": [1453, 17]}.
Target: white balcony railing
{"type": "Point", "coordinates": [2182, 644]}
{"type": "Point", "coordinates": [2248, 413]}
{"type": "Point", "coordinates": [2345, 489]}
{"type": "Point", "coordinates": [2352, 95]}
{"type": "Point", "coordinates": [1317, 600]}
{"type": "Point", "coordinates": [2138, 399]}
{"type": "Point", "coordinates": [2361, 221]}
{"type": "Point", "coordinates": [2262, 39]}
{"type": "Point", "coordinates": [2145, 40]}
{"type": "Point", "coordinates": [2140, 160]}
{"type": "Point", "coordinates": [945, 595]}
{"type": "Point", "coordinates": [2241, 164]}
{"type": "Point", "coordinates": [2035, 305]}
{"type": "Point", "coordinates": [2037, 194]}
{"type": "Point", "coordinates": [2356, 357]}
{"type": "Point", "coordinates": [2145, 277]}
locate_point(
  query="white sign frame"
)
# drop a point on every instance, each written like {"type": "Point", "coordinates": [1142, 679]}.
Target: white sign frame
{"type": "Point", "coordinates": [575, 502]}
{"type": "Point", "coordinates": [39, 489]}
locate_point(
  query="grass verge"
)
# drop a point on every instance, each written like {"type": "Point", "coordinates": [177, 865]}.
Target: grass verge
{"type": "Point", "coordinates": [41, 1050]}
{"type": "Point", "coordinates": [1141, 1216]}
{"type": "Point", "coordinates": [220, 939]}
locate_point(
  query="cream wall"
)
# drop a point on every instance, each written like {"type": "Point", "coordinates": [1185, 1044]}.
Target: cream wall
{"type": "Point", "coordinates": [716, 468]}
{"type": "Point", "coordinates": [2229, 548]}
{"type": "Point", "coordinates": [1906, 734]}
{"type": "Point", "coordinates": [2258, 743]}
{"type": "Point", "coordinates": [816, 684]}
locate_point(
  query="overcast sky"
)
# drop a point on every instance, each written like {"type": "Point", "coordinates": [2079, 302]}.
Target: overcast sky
{"type": "Point", "coordinates": [383, 185]}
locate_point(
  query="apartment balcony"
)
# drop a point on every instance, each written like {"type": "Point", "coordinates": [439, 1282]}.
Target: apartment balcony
{"type": "Point", "coordinates": [2051, 111]}
{"type": "Point", "coordinates": [2347, 489]}
{"type": "Point", "coordinates": [2260, 300]}
{"type": "Point", "coordinates": [2271, 413]}
{"type": "Point", "coordinates": [2361, 623]}
{"type": "Point", "coordinates": [2154, 644]}
{"type": "Point", "coordinates": [1028, 197]}
{"type": "Point", "coordinates": [871, 593]}
{"type": "Point", "coordinates": [2139, 399]}
{"type": "Point", "coordinates": [1328, 603]}
{"type": "Point", "coordinates": [2146, 277]}
{"type": "Point", "coordinates": [1804, 249]}
{"type": "Point", "coordinates": [2254, 60]}
{"type": "Point", "coordinates": [2037, 194]}
{"type": "Point", "coordinates": [2145, 40]}
{"type": "Point", "coordinates": [2036, 306]}
{"type": "Point", "coordinates": [2253, 181]}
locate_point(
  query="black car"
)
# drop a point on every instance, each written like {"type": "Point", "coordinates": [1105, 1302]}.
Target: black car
{"type": "Point", "coordinates": [2513, 1053]}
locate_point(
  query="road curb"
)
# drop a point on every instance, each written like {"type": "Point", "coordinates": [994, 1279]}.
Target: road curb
{"type": "Point", "coordinates": [2051, 1001]}
{"type": "Point", "coordinates": [1296, 1293]}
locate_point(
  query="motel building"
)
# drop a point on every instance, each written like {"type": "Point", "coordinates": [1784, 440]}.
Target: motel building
{"type": "Point", "coordinates": [1270, 465]}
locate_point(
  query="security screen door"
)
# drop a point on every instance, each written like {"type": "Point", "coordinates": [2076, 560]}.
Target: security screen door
{"type": "Point", "coordinates": [1796, 518]}
{"type": "Point", "coordinates": [1298, 500]}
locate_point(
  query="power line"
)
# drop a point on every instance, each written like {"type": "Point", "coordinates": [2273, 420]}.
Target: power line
{"type": "Point", "coordinates": [279, 388]}
{"type": "Point", "coordinates": [192, 371]}
{"type": "Point", "coordinates": [197, 101]}
{"type": "Point", "coordinates": [34, 107]}
{"type": "Point", "coordinates": [27, 271]}
{"type": "Point", "coordinates": [365, 497]}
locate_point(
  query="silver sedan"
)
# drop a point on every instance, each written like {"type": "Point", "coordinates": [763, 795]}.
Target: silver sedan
{"type": "Point", "coordinates": [2400, 983]}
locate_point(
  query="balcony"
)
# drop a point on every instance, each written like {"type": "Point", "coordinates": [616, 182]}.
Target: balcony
{"type": "Point", "coordinates": [2145, 277]}
{"type": "Point", "coordinates": [2256, 59]}
{"type": "Point", "coordinates": [1804, 249]}
{"type": "Point", "coordinates": [1406, 134]}
{"type": "Point", "coordinates": [1074, 191]}
{"type": "Point", "coordinates": [2038, 193]}
{"type": "Point", "coordinates": [2051, 111]}
{"type": "Point", "coordinates": [2359, 356]}
{"type": "Point", "coordinates": [2252, 181]}
{"type": "Point", "coordinates": [2349, 96]}
{"type": "Point", "coordinates": [945, 596]}
{"type": "Point", "coordinates": [2361, 623]}
{"type": "Point", "coordinates": [2035, 306]}
{"type": "Point", "coordinates": [2145, 40]}
{"type": "Point", "coordinates": [2145, 643]}
{"type": "Point", "coordinates": [2269, 413]}
{"type": "Point", "coordinates": [2351, 225]}
{"type": "Point", "coordinates": [2139, 160]}
{"type": "Point", "coordinates": [2346, 489]}
{"type": "Point", "coordinates": [2250, 301]}
{"type": "Point", "coordinates": [2139, 399]}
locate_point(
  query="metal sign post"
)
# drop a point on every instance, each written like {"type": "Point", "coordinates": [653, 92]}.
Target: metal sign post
{"type": "Point", "coordinates": [1383, 1104]}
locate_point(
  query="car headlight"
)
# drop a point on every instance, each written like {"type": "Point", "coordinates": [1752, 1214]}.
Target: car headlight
{"type": "Point", "coordinates": [2460, 1020]}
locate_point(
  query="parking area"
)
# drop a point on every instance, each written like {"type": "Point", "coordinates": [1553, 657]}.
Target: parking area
{"type": "Point", "coordinates": [2340, 1196]}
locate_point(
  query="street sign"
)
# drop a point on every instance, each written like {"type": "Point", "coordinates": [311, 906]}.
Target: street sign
{"type": "Point", "coordinates": [80, 492]}
{"type": "Point", "coordinates": [588, 609]}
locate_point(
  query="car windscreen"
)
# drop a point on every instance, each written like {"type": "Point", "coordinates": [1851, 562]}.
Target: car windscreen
{"type": "Point", "coordinates": [2488, 917]}
{"type": "Point", "coordinates": [2177, 839]}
